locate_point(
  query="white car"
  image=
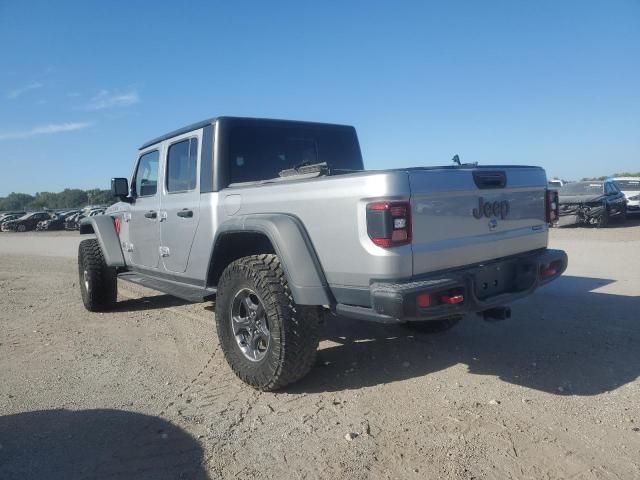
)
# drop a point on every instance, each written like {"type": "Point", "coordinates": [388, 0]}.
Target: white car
{"type": "Point", "coordinates": [630, 186]}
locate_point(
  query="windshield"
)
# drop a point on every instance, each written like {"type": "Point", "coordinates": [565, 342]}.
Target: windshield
{"type": "Point", "coordinates": [633, 185]}
{"type": "Point", "coordinates": [261, 152]}
{"type": "Point", "coordinates": [582, 188]}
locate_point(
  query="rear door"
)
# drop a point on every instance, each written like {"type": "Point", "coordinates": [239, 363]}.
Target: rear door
{"type": "Point", "coordinates": [180, 201]}
{"type": "Point", "coordinates": [144, 232]}
{"type": "Point", "coordinates": [462, 216]}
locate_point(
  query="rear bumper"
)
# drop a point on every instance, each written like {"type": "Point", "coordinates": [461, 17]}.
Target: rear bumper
{"type": "Point", "coordinates": [482, 287]}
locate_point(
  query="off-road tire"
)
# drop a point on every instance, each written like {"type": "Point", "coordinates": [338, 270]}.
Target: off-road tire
{"type": "Point", "coordinates": [294, 328]}
{"type": "Point", "coordinates": [623, 215]}
{"type": "Point", "coordinates": [99, 288]}
{"type": "Point", "coordinates": [434, 326]}
{"type": "Point", "coordinates": [603, 220]}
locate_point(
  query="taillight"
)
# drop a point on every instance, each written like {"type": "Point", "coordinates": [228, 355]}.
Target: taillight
{"type": "Point", "coordinates": [389, 223]}
{"type": "Point", "coordinates": [116, 224]}
{"type": "Point", "coordinates": [551, 206]}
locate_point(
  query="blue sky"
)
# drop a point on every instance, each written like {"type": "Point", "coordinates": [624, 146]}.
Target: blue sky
{"type": "Point", "coordinates": [557, 84]}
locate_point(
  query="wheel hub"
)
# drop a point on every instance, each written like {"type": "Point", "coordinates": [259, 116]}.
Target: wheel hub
{"type": "Point", "coordinates": [250, 325]}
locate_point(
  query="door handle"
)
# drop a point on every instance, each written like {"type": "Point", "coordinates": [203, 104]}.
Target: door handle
{"type": "Point", "coordinates": [151, 214]}
{"type": "Point", "coordinates": [185, 213]}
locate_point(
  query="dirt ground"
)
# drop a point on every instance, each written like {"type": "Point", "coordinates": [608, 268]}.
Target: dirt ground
{"type": "Point", "coordinates": [144, 392]}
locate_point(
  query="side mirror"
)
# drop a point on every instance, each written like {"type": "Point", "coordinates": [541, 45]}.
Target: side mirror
{"type": "Point", "coordinates": [120, 189]}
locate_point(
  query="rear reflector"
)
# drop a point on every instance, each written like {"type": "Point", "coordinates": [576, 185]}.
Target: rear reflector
{"type": "Point", "coordinates": [451, 299]}
{"type": "Point", "coordinates": [117, 223]}
{"type": "Point", "coordinates": [389, 223]}
{"type": "Point", "coordinates": [547, 271]}
{"type": "Point", "coordinates": [423, 300]}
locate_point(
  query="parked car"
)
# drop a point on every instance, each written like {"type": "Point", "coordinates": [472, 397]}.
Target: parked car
{"type": "Point", "coordinates": [7, 218]}
{"type": "Point", "coordinates": [556, 183]}
{"type": "Point", "coordinates": [72, 221]}
{"type": "Point", "coordinates": [3, 216]}
{"type": "Point", "coordinates": [26, 222]}
{"type": "Point", "coordinates": [56, 222]}
{"type": "Point", "coordinates": [280, 221]}
{"type": "Point", "coordinates": [630, 186]}
{"type": "Point", "coordinates": [591, 203]}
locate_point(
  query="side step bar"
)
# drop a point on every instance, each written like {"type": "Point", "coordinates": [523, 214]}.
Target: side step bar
{"type": "Point", "coordinates": [190, 293]}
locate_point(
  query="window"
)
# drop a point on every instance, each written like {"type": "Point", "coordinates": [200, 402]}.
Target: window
{"type": "Point", "coordinates": [261, 152]}
{"type": "Point", "coordinates": [182, 165]}
{"type": "Point", "coordinates": [146, 182]}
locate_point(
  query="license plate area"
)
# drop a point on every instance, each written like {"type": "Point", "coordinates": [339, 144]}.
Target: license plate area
{"type": "Point", "coordinates": [495, 279]}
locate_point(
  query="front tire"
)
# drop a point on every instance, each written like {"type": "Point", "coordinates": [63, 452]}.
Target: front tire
{"type": "Point", "coordinates": [98, 282]}
{"type": "Point", "coordinates": [603, 220]}
{"type": "Point", "coordinates": [267, 339]}
{"type": "Point", "coordinates": [22, 228]}
{"type": "Point", "coordinates": [623, 215]}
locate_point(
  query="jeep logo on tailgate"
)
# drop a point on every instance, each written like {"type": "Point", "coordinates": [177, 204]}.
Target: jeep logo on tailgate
{"type": "Point", "coordinates": [489, 209]}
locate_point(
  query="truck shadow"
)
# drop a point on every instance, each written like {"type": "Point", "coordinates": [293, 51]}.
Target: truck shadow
{"type": "Point", "coordinates": [64, 444]}
{"type": "Point", "coordinates": [566, 339]}
{"type": "Point", "coordinates": [153, 302]}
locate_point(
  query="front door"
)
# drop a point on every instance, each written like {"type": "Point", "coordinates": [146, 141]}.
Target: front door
{"type": "Point", "coordinates": [144, 231]}
{"type": "Point", "coordinates": [180, 202]}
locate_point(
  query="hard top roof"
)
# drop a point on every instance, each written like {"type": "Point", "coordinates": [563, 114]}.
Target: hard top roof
{"type": "Point", "coordinates": [209, 121]}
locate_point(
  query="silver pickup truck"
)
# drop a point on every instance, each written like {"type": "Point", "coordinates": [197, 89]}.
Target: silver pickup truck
{"type": "Point", "coordinates": [281, 224]}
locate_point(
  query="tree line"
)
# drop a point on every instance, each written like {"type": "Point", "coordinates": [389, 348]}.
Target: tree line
{"type": "Point", "coordinates": [68, 198]}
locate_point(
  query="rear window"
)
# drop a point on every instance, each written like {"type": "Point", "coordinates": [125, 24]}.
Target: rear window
{"type": "Point", "coordinates": [260, 152]}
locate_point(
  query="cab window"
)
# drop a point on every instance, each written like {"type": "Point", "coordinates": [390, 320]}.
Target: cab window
{"type": "Point", "coordinates": [182, 164]}
{"type": "Point", "coordinates": [146, 180]}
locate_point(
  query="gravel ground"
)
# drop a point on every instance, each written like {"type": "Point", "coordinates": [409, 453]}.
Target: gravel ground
{"type": "Point", "coordinates": [143, 392]}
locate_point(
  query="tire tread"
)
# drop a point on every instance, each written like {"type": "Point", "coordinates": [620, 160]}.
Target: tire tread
{"type": "Point", "coordinates": [299, 324]}
{"type": "Point", "coordinates": [104, 285]}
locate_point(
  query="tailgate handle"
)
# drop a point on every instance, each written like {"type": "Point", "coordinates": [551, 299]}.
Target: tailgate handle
{"type": "Point", "coordinates": [494, 179]}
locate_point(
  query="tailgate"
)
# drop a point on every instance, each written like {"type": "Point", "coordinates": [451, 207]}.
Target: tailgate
{"type": "Point", "coordinates": [463, 216]}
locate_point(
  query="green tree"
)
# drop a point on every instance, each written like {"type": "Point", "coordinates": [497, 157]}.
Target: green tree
{"type": "Point", "coordinates": [97, 196]}
{"type": "Point", "coordinates": [16, 201]}
{"type": "Point", "coordinates": [72, 198]}
{"type": "Point", "coordinates": [45, 200]}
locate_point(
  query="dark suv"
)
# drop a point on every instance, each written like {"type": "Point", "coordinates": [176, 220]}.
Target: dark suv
{"type": "Point", "coordinates": [26, 222]}
{"type": "Point", "coordinates": [592, 203]}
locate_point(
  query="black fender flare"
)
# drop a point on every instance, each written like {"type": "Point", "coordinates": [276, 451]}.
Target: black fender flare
{"type": "Point", "coordinates": [105, 231]}
{"type": "Point", "coordinates": [294, 248]}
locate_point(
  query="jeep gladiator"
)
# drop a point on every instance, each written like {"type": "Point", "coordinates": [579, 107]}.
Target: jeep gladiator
{"type": "Point", "coordinates": [281, 224]}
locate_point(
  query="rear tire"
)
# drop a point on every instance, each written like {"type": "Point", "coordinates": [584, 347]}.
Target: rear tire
{"type": "Point", "coordinates": [434, 326]}
{"type": "Point", "coordinates": [98, 282]}
{"type": "Point", "coordinates": [286, 349]}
